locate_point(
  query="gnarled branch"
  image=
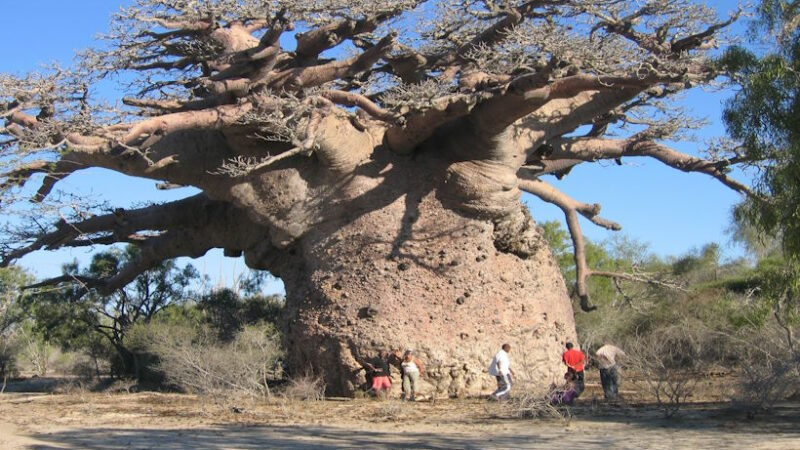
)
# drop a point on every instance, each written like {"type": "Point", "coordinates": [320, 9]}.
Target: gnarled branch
{"type": "Point", "coordinates": [571, 208]}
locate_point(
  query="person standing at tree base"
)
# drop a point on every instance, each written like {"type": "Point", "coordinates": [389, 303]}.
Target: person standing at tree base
{"type": "Point", "coordinates": [575, 359]}
{"type": "Point", "coordinates": [379, 368]}
{"type": "Point", "coordinates": [609, 373]}
{"type": "Point", "coordinates": [412, 370]}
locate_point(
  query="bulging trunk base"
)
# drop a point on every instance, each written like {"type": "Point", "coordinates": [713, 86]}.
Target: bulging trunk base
{"type": "Point", "coordinates": [416, 275]}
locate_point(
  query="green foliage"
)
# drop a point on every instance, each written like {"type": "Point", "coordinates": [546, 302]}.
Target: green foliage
{"type": "Point", "coordinates": [757, 243]}
{"type": "Point", "coordinates": [12, 279]}
{"type": "Point", "coordinates": [83, 322]}
{"type": "Point", "coordinates": [779, 286]}
{"type": "Point", "coordinates": [763, 117]}
{"type": "Point", "coordinates": [228, 313]}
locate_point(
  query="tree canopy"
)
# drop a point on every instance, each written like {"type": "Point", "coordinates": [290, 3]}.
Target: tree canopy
{"type": "Point", "coordinates": [763, 117]}
{"type": "Point", "coordinates": [269, 128]}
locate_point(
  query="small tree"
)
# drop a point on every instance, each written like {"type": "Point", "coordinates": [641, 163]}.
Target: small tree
{"type": "Point", "coordinates": [72, 310]}
{"type": "Point", "coordinates": [11, 281]}
{"type": "Point", "coordinates": [762, 116]}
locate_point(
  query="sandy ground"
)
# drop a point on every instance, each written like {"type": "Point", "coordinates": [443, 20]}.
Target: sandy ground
{"type": "Point", "coordinates": [84, 420]}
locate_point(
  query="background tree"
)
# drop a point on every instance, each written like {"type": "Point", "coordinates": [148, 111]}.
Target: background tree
{"type": "Point", "coordinates": [375, 162]}
{"type": "Point", "coordinates": [763, 117]}
{"type": "Point", "coordinates": [228, 313]}
{"type": "Point", "coordinates": [77, 319]}
{"type": "Point", "coordinates": [12, 279]}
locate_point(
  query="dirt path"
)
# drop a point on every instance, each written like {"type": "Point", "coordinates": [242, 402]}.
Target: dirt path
{"type": "Point", "coordinates": [161, 421]}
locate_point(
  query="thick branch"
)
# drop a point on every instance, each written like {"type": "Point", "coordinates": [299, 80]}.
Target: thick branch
{"type": "Point", "coordinates": [570, 209]}
{"type": "Point", "coordinates": [311, 43]}
{"type": "Point", "coordinates": [305, 77]}
{"type": "Point", "coordinates": [54, 172]}
{"type": "Point", "coordinates": [195, 225]}
{"type": "Point", "coordinates": [528, 93]}
{"type": "Point", "coordinates": [403, 138]}
{"type": "Point", "coordinates": [361, 101]}
{"type": "Point", "coordinates": [121, 223]}
{"type": "Point", "coordinates": [593, 149]}
{"type": "Point", "coordinates": [213, 118]}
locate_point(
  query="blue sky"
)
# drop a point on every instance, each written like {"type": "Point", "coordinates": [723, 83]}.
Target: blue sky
{"type": "Point", "coordinates": [671, 211]}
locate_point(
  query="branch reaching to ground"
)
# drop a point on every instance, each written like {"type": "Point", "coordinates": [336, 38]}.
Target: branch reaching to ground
{"type": "Point", "coordinates": [571, 208]}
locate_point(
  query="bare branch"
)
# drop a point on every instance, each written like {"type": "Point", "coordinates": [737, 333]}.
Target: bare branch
{"type": "Point", "coordinates": [306, 77]}
{"type": "Point", "coordinates": [593, 149]}
{"type": "Point", "coordinates": [550, 194]}
{"type": "Point", "coordinates": [353, 99]}
{"type": "Point", "coordinates": [644, 278]}
{"type": "Point", "coordinates": [571, 207]}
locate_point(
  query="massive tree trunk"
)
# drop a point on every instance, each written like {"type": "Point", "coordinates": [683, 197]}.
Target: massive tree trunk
{"type": "Point", "coordinates": [445, 291]}
{"type": "Point", "coordinates": [405, 266]}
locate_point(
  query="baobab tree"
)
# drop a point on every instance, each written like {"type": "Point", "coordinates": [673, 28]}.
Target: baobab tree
{"type": "Point", "coordinates": [371, 153]}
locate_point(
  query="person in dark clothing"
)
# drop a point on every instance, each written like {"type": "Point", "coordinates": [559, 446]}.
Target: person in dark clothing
{"type": "Point", "coordinates": [379, 370]}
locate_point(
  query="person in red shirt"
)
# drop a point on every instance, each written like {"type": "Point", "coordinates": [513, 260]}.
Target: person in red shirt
{"type": "Point", "coordinates": [575, 359]}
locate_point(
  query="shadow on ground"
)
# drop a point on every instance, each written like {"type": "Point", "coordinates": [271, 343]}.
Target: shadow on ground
{"type": "Point", "coordinates": [289, 437]}
{"type": "Point", "coordinates": [632, 428]}
{"type": "Point", "coordinates": [781, 418]}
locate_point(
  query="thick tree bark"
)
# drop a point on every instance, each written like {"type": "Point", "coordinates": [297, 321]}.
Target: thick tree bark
{"type": "Point", "coordinates": [401, 268]}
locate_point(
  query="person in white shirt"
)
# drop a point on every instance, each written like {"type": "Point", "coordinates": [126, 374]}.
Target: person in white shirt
{"type": "Point", "coordinates": [500, 368]}
{"type": "Point", "coordinates": [411, 368]}
{"type": "Point", "coordinates": [609, 375]}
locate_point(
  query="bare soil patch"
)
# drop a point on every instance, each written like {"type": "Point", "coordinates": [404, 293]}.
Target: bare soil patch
{"type": "Point", "coordinates": [79, 419]}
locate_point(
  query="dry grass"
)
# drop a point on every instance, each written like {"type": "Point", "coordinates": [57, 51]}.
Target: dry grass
{"type": "Point", "coordinates": [306, 388]}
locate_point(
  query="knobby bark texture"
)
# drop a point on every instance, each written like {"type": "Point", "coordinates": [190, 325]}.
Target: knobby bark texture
{"type": "Point", "coordinates": [401, 268]}
{"type": "Point", "coordinates": [377, 170]}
